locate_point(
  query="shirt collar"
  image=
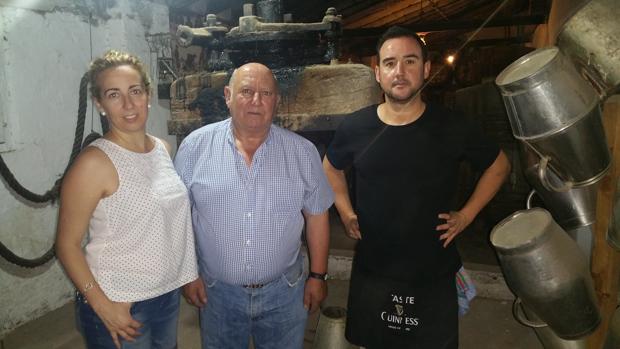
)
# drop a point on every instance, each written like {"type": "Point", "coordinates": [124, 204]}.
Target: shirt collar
{"type": "Point", "coordinates": [230, 137]}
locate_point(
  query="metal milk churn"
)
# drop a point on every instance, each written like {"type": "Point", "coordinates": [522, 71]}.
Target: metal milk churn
{"type": "Point", "coordinates": [571, 209]}
{"type": "Point", "coordinates": [574, 209]}
{"type": "Point", "coordinates": [591, 38]}
{"type": "Point", "coordinates": [545, 335]}
{"type": "Point", "coordinates": [330, 329]}
{"type": "Point", "coordinates": [546, 269]}
{"type": "Point", "coordinates": [556, 113]}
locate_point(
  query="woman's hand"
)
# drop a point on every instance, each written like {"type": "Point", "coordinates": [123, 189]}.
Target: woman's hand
{"type": "Point", "coordinates": [118, 321]}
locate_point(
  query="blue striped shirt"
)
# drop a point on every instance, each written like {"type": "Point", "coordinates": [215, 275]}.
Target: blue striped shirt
{"type": "Point", "coordinates": [248, 220]}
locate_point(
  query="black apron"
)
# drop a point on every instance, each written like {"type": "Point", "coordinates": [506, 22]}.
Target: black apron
{"type": "Point", "coordinates": [385, 313]}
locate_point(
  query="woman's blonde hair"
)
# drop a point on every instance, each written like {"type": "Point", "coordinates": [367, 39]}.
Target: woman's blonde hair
{"type": "Point", "coordinates": [111, 59]}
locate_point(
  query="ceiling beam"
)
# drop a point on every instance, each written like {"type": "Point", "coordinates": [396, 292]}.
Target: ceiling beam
{"type": "Point", "coordinates": [436, 8]}
{"type": "Point", "coordinates": [452, 25]}
{"type": "Point", "coordinates": [364, 47]}
{"type": "Point", "coordinates": [388, 12]}
{"type": "Point", "coordinates": [396, 16]}
{"type": "Point", "coordinates": [349, 8]}
{"type": "Point", "coordinates": [413, 14]}
{"type": "Point", "coordinates": [385, 8]}
{"type": "Point", "coordinates": [457, 10]}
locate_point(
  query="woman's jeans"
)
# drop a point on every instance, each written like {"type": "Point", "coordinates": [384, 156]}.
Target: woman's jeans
{"type": "Point", "coordinates": [273, 315]}
{"type": "Point", "coordinates": [159, 318]}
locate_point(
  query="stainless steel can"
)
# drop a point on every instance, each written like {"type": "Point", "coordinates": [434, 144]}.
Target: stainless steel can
{"type": "Point", "coordinates": [544, 267]}
{"type": "Point", "coordinates": [556, 113]}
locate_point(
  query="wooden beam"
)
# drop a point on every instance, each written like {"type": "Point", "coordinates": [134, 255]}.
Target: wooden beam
{"type": "Point", "coordinates": [606, 260]}
{"type": "Point", "coordinates": [413, 15]}
{"type": "Point", "coordinates": [396, 17]}
{"type": "Point", "coordinates": [351, 7]}
{"type": "Point", "coordinates": [461, 10]}
{"type": "Point", "coordinates": [452, 25]}
{"type": "Point", "coordinates": [437, 10]}
{"type": "Point", "coordinates": [419, 16]}
{"type": "Point", "coordinates": [377, 12]}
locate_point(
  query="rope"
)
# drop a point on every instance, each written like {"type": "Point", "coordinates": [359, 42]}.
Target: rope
{"type": "Point", "coordinates": [23, 262]}
{"type": "Point", "coordinates": [52, 194]}
{"type": "Point", "coordinates": [79, 128]}
{"type": "Point", "coordinates": [90, 138]}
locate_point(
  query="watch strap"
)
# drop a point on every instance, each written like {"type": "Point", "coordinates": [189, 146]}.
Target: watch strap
{"type": "Point", "coordinates": [318, 276]}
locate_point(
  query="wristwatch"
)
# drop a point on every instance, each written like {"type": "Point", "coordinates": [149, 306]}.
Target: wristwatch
{"type": "Point", "coordinates": [319, 276]}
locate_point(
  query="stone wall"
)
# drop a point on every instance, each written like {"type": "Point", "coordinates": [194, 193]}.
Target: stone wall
{"type": "Point", "coordinates": [314, 98]}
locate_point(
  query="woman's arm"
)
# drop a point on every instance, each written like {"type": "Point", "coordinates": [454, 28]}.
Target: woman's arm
{"type": "Point", "coordinates": [91, 178]}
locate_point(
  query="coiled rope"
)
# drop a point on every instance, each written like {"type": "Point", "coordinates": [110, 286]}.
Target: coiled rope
{"type": "Point", "coordinates": [53, 194]}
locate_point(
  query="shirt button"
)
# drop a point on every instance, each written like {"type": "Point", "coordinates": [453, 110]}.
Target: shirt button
{"type": "Point", "coordinates": [248, 242]}
{"type": "Point", "coordinates": [248, 267]}
{"type": "Point", "coordinates": [249, 214]}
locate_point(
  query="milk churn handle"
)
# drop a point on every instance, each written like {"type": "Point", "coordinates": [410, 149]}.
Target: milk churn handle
{"type": "Point", "coordinates": [528, 201]}
{"type": "Point", "coordinates": [518, 315]}
{"type": "Point", "coordinates": [595, 81]}
{"type": "Point", "coordinates": [542, 175]}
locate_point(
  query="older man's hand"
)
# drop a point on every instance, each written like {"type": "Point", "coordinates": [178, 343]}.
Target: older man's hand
{"type": "Point", "coordinates": [314, 293]}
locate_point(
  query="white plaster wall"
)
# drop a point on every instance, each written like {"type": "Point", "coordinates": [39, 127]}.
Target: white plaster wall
{"type": "Point", "coordinates": [45, 48]}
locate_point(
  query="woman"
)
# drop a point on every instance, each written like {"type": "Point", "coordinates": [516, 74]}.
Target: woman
{"type": "Point", "coordinates": [124, 190]}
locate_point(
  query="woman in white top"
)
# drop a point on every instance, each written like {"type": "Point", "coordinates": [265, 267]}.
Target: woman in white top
{"type": "Point", "coordinates": [124, 191]}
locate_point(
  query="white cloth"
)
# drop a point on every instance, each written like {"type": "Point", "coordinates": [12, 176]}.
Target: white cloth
{"type": "Point", "coordinates": [141, 242]}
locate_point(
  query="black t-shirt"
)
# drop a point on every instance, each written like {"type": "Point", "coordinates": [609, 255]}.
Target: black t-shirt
{"type": "Point", "coordinates": [405, 176]}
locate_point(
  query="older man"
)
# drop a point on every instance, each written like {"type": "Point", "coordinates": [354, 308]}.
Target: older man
{"type": "Point", "coordinates": [251, 184]}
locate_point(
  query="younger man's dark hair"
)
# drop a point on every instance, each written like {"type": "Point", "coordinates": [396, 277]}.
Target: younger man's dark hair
{"type": "Point", "coordinates": [400, 32]}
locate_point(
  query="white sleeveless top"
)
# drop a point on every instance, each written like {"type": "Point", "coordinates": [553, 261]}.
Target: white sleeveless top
{"type": "Point", "coordinates": [141, 242]}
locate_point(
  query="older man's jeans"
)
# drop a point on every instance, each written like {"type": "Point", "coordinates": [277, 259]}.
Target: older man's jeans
{"type": "Point", "coordinates": [159, 318]}
{"type": "Point", "coordinates": [273, 315]}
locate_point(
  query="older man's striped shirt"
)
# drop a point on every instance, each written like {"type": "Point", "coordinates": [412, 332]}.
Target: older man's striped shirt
{"type": "Point", "coordinates": [248, 220]}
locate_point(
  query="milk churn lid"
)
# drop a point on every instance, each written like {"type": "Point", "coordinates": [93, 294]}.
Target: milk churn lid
{"type": "Point", "coordinates": [522, 228]}
{"type": "Point", "coordinates": [526, 66]}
